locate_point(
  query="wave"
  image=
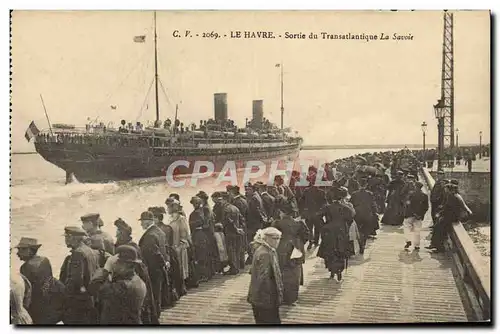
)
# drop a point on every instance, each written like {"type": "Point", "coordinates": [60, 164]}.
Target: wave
{"type": "Point", "coordinates": [29, 194]}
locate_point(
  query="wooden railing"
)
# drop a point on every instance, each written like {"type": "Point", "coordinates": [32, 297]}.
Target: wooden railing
{"type": "Point", "coordinates": [473, 273]}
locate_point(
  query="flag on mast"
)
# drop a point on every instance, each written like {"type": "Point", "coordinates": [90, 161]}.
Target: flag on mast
{"type": "Point", "coordinates": [278, 65]}
{"type": "Point", "coordinates": [31, 132]}
{"type": "Point", "coordinates": [140, 39]}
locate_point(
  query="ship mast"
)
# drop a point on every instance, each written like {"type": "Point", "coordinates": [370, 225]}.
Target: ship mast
{"type": "Point", "coordinates": [156, 75]}
{"type": "Point", "coordinates": [282, 108]}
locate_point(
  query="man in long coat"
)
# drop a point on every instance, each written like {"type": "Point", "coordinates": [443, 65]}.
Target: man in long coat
{"type": "Point", "coordinates": [256, 216]}
{"type": "Point", "coordinates": [233, 232]}
{"type": "Point", "coordinates": [76, 272]}
{"type": "Point", "coordinates": [241, 203]}
{"type": "Point", "coordinates": [47, 294]}
{"type": "Point", "coordinates": [313, 200]}
{"type": "Point", "coordinates": [366, 216]}
{"type": "Point", "coordinates": [268, 201]}
{"type": "Point", "coordinates": [153, 249]}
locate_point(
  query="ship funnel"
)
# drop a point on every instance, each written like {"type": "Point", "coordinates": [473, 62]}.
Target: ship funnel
{"type": "Point", "coordinates": [257, 113]}
{"type": "Point", "coordinates": [220, 106]}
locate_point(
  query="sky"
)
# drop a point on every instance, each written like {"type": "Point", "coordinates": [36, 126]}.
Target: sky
{"type": "Point", "coordinates": [335, 91]}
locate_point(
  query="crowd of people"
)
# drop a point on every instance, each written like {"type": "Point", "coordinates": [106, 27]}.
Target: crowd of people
{"type": "Point", "coordinates": [124, 281]}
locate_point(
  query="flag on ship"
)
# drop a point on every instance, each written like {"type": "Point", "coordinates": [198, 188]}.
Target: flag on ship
{"type": "Point", "coordinates": [31, 132]}
{"type": "Point", "coordinates": [113, 107]}
{"type": "Point", "coordinates": [278, 65]}
{"type": "Point", "coordinates": [140, 39]}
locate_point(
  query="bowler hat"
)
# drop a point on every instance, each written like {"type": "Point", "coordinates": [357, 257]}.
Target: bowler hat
{"type": "Point", "coordinates": [224, 195]}
{"type": "Point", "coordinates": [128, 254]}
{"type": "Point", "coordinates": [122, 225]}
{"type": "Point", "coordinates": [92, 217]}
{"type": "Point", "coordinates": [216, 195]}
{"type": "Point", "coordinates": [147, 215]}
{"type": "Point", "coordinates": [75, 231]}
{"type": "Point", "coordinates": [28, 243]}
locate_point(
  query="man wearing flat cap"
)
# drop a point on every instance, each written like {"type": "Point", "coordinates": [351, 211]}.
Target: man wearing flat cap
{"type": "Point", "coordinates": [92, 223]}
{"type": "Point", "coordinates": [47, 294]}
{"type": "Point", "coordinates": [76, 272]}
{"type": "Point", "coordinates": [153, 245]}
{"type": "Point", "coordinates": [121, 298]}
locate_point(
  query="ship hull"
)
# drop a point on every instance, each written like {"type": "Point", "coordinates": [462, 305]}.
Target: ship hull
{"type": "Point", "coordinates": [101, 164]}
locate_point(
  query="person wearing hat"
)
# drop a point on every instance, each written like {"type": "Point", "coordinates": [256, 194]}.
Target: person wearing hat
{"type": "Point", "coordinates": [255, 218]}
{"type": "Point", "coordinates": [267, 201]}
{"type": "Point", "coordinates": [76, 271]}
{"type": "Point", "coordinates": [334, 247]}
{"type": "Point", "coordinates": [153, 250]}
{"type": "Point", "coordinates": [291, 251]}
{"type": "Point", "coordinates": [92, 223]}
{"type": "Point", "coordinates": [418, 206]}
{"type": "Point", "coordinates": [172, 198]}
{"type": "Point", "coordinates": [210, 230]}
{"type": "Point", "coordinates": [240, 202]}
{"type": "Point", "coordinates": [199, 235]}
{"type": "Point", "coordinates": [181, 237]}
{"type": "Point", "coordinates": [121, 298]}
{"type": "Point", "coordinates": [394, 213]}
{"type": "Point", "coordinates": [177, 286]}
{"type": "Point", "coordinates": [366, 216]}
{"type": "Point", "coordinates": [124, 237]}
{"type": "Point", "coordinates": [453, 209]}
{"type": "Point", "coordinates": [437, 195]}
{"type": "Point", "coordinates": [233, 232]}
{"type": "Point", "coordinates": [312, 201]}
{"type": "Point", "coordinates": [47, 292]}
{"type": "Point", "coordinates": [265, 292]}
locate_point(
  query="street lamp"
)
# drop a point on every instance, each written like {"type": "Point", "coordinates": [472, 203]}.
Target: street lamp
{"type": "Point", "coordinates": [424, 128]}
{"type": "Point", "coordinates": [480, 144]}
{"type": "Point", "coordinates": [439, 112]}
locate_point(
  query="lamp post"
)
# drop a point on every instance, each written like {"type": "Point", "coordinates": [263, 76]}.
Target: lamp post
{"type": "Point", "coordinates": [424, 128]}
{"type": "Point", "coordinates": [480, 144]}
{"type": "Point", "coordinates": [439, 113]}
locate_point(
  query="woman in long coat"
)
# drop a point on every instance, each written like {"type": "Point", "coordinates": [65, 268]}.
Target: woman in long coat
{"type": "Point", "coordinates": [200, 240]}
{"type": "Point", "coordinates": [394, 213]}
{"type": "Point", "coordinates": [291, 251]}
{"type": "Point", "coordinates": [334, 247]}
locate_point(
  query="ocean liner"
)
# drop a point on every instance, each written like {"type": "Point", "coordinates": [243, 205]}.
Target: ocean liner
{"type": "Point", "coordinates": [99, 153]}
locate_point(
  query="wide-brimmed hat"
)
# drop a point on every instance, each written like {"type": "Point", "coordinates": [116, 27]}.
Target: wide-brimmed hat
{"type": "Point", "coordinates": [28, 243]}
{"type": "Point", "coordinates": [128, 254]}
